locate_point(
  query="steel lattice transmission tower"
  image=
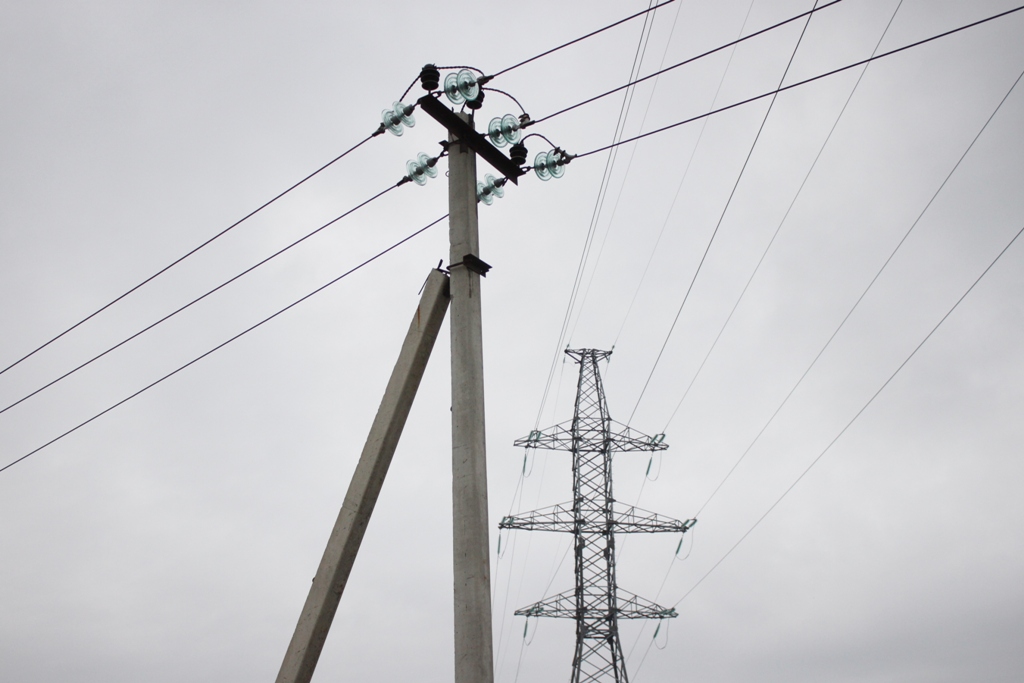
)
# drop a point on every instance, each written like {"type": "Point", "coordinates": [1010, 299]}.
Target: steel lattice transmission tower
{"type": "Point", "coordinates": [594, 517]}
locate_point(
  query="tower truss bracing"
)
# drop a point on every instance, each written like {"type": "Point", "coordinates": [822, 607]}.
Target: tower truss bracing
{"type": "Point", "coordinates": [593, 518]}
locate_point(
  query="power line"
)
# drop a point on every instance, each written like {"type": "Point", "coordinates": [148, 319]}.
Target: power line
{"type": "Point", "coordinates": [785, 216]}
{"type": "Point", "coordinates": [625, 175]}
{"type": "Point", "coordinates": [411, 85]}
{"type": "Point", "coordinates": [225, 343]}
{"type": "Point", "coordinates": [844, 429]}
{"type": "Point", "coordinates": [508, 95]}
{"type": "Point", "coordinates": [859, 299]}
{"type": "Point", "coordinates": [686, 61]}
{"type": "Point", "coordinates": [772, 94]}
{"type": "Point", "coordinates": [200, 298]}
{"type": "Point", "coordinates": [782, 222]}
{"type": "Point", "coordinates": [606, 180]}
{"type": "Point", "coordinates": [682, 180]}
{"type": "Point", "coordinates": [725, 209]}
{"type": "Point", "coordinates": [178, 260]}
{"type": "Point", "coordinates": [803, 82]}
{"type": "Point", "coordinates": [588, 241]}
{"type": "Point", "coordinates": [638, 58]}
{"type": "Point", "coordinates": [857, 415]}
{"type": "Point", "coordinates": [864, 293]}
{"type": "Point", "coordinates": [651, 258]}
{"type": "Point", "coordinates": [651, 8]}
{"type": "Point", "coordinates": [660, 232]}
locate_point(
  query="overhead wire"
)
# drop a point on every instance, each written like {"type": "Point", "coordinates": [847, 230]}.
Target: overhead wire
{"type": "Point", "coordinates": [856, 304]}
{"type": "Point", "coordinates": [664, 224]}
{"type": "Point", "coordinates": [517, 493]}
{"type": "Point", "coordinates": [601, 196]}
{"type": "Point", "coordinates": [508, 95]}
{"type": "Point", "coordinates": [686, 61]}
{"type": "Point", "coordinates": [791, 86]}
{"type": "Point", "coordinates": [599, 200]}
{"type": "Point", "coordinates": [607, 179]}
{"type": "Point", "coordinates": [522, 645]}
{"type": "Point", "coordinates": [200, 298]}
{"type": "Point", "coordinates": [379, 131]}
{"type": "Point", "coordinates": [782, 221]}
{"type": "Point", "coordinates": [781, 89]}
{"type": "Point", "coordinates": [721, 218]}
{"type": "Point", "coordinates": [773, 94]}
{"type": "Point", "coordinates": [642, 13]}
{"type": "Point", "coordinates": [590, 234]}
{"type": "Point", "coordinates": [614, 144]}
{"type": "Point", "coordinates": [448, 67]}
{"type": "Point", "coordinates": [407, 90]}
{"type": "Point", "coordinates": [679, 187]}
{"type": "Point", "coordinates": [650, 258]}
{"type": "Point", "coordinates": [849, 424]}
{"type": "Point", "coordinates": [864, 293]}
{"type": "Point", "coordinates": [320, 289]}
{"type": "Point", "coordinates": [224, 343]}
{"type": "Point", "coordinates": [625, 175]}
{"type": "Point", "coordinates": [860, 412]}
{"type": "Point", "coordinates": [501, 652]}
{"type": "Point", "coordinates": [595, 213]}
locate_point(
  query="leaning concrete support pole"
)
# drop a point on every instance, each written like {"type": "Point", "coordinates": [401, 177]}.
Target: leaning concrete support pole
{"type": "Point", "coordinates": [473, 653]}
{"type": "Point", "coordinates": [336, 564]}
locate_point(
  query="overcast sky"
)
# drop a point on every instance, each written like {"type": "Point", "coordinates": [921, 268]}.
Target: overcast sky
{"type": "Point", "coordinates": [175, 538]}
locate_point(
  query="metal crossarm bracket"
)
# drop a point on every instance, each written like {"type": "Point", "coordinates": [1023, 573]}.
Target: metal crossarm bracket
{"type": "Point", "coordinates": [555, 518]}
{"type": "Point", "coordinates": [633, 520]}
{"type": "Point", "coordinates": [632, 606]}
{"type": "Point", "coordinates": [473, 263]}
{"type": "Point", "coordinates": [623, 439]}
{"type": "Point", "coordinates": [625, 520]}
{"type": "Point", "coordinates": [559, 606]}
{"type": "Point", "coordinates": [474, 140]}
{"type": "Point", "coordinates": [629, 606]}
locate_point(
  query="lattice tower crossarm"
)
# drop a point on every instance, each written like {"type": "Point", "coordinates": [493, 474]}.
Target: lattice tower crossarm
{"type": "Point", "coordinates": [594, 517]}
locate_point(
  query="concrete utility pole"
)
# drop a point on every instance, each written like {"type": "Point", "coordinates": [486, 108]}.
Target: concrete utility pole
{"type": "Point", "coordinates": [322, 602]}
{"type": "Point", "coordinates": [473, 647]}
